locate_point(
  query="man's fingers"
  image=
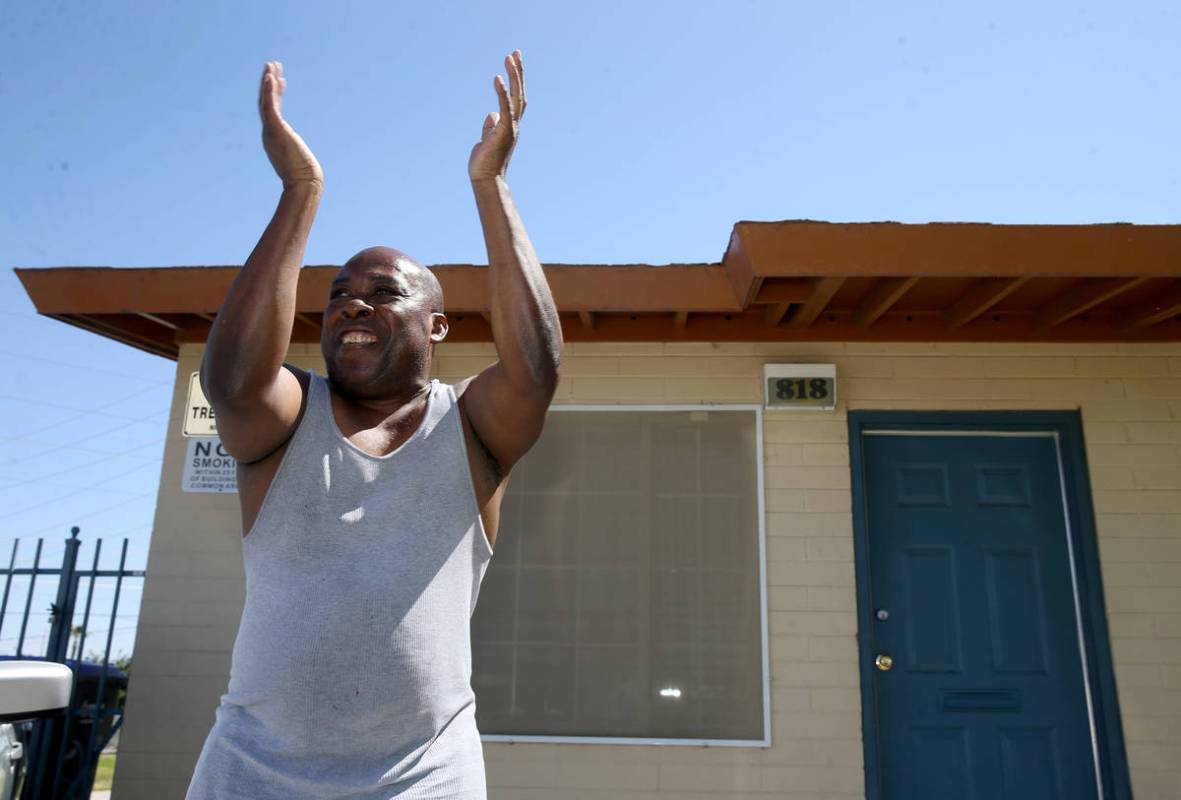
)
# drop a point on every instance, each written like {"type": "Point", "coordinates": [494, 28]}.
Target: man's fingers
{"type": "Point", "coordinates": [506, 109]}
{"type": "Point", "coordinates": [514, 82]}
{"type": "Point", "coordinates": [490, 122]}
{"type": "Point", "coordinates": [263, 86]}
{"type": "Point", "coordinates": [270, 92]}
{"type": "Point", "coordinates": [524, 101]}
{"type": "Point", "coordinates": [264, 95]}
{"type": "Point", "coordinates": [270, 103]}
{"type": "Point", "coordinates": [519, 98]}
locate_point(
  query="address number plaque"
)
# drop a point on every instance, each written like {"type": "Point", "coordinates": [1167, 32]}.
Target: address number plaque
{"type": "Point", "coordinates": [802, 387]}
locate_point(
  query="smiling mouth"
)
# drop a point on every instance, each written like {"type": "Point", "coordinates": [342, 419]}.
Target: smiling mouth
{"type": "Point", "coordinates": [358, 338]}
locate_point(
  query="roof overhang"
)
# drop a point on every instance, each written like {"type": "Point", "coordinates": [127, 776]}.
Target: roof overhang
{"type": "Point", "coordinates": [778, 281]}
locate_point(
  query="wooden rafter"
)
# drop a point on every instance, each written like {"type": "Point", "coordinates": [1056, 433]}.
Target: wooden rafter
{"type": "Point", "coordinates": [881, 297]}
{"type": "Point", "coordinates": [1156, 309]}
{"type": "Point", "coordinates": [783, 290]}
{"type": "Point", "coordinates": [158, 320]}
{"type": "Point", "coordinates": [980, 296]}
{"type": "Point", "coordinates": [1084, 297]}
{"type": "Point", "coordinates": [775, 313]}
{"type": "Point", "coordinates": [587, 319]}
{"type": "Point", "coordinates": [306, 320]}
{"type": "Point", "coordinates": [822, 291]}
{"type": "Point", "coordinates": [132, 328]}
{"type": "Point", "coordinates": [680, 320]}
{"type": "Point", "coordinates": [156, 348]}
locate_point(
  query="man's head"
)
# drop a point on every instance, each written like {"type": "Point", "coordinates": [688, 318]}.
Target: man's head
{"type": "Point", "coordinates": [383, 318]}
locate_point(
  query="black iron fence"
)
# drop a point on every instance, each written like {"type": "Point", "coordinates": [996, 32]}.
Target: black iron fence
{"type": "Point", "coordinates": [62, 751]}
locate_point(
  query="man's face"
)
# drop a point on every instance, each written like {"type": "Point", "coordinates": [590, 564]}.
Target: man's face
{"type": "Point", "coordinates": [379, 323]}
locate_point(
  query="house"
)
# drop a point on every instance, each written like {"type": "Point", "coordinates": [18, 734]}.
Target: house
{"type": "Point", "coordinates": [958, 576]}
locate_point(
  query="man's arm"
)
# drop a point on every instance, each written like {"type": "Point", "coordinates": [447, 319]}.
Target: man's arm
{"type": "Point", "coordinates": [257, 401]}
{"type": "Point", "coordinates": [507, 402]}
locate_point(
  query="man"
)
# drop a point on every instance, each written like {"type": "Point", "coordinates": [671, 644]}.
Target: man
{"type": "Point", "coordinates": [370, 498]}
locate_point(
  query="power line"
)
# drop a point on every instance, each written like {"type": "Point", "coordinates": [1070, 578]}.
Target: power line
{"type": "Point", "coordinates": [27, 316]}
{"type": "Point", "coordinates": [84, 367]}
{"type": "Point", "coordinates": [54, 548]}
{"type": "Point", "coordinates": [52, 447]}
{"type": "Point", "coordinates": [52, 500]}
{"type": "Point", "coordinates": [17, 637]}
{"type": "Point", "coordinates": [113, 456]}
{"type": "Point", "coordinates": [41, 481]}
{"type": "Point", "coordinates": [116, 402]}
{"type": "Point", "coordinates": [60, 407]}
{"type": "Point", "coordinates": [106, 405]}
{"type": "Point", "coordinates": [13, 483]}
{"type": "Point", "coordinates": [133, 528]}
{"type": "Point", "coordinates": [73, 519]}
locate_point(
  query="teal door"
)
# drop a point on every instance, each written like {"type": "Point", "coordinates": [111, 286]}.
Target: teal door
{"type": "Point", "coordinates": [980, 684]}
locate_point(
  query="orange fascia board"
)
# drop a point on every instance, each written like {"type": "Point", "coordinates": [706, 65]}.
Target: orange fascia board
{"type": "Point", "coordinates": [119, 290]}
{"type": "Point", "coordinates": [777, 281]}
{"type": "Point", "coordinates": [609, 288]}
{"type": "Point", "coordinates": [891, 249]}
{"type": "Point", "coordinates": [180, 290]}
{"type": "Point", "coordinates": [757, 251]}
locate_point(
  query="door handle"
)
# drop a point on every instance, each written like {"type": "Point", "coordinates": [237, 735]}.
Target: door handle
{"type": "Point", "coordinates": [884, 662]}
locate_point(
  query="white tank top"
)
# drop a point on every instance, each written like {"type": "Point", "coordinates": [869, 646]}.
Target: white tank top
{"type": "Point", "coordinates": [351, 673]}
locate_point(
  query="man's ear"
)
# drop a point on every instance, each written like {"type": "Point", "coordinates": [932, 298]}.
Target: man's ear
{"type": "Point", "coordinates": [439, 327]}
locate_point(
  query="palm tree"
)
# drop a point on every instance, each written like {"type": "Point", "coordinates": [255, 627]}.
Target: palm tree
{"type": "Point", "coordinates": [76, 633]}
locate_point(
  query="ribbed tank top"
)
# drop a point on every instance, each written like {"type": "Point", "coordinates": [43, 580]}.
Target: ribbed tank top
{"type": "Point", "coordinates": [351, 672]}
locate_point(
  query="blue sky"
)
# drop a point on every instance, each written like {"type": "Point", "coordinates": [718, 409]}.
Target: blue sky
{"type": "Point", "coordinates": [129, 137]}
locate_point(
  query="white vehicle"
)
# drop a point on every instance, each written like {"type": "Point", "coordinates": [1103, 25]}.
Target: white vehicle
{"type": "Point", "coordinates": [28, 689]}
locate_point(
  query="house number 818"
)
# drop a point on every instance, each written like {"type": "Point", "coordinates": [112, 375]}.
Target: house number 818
{"type": "Point", "coordinates": [801, 389]}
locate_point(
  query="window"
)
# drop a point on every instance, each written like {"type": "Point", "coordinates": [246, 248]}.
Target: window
{"type": "Point", "coordinates": [624, 598]}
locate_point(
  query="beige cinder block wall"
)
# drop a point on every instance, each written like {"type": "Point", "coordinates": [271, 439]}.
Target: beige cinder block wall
{"type": "Point", "coordinates": [1130, 396]}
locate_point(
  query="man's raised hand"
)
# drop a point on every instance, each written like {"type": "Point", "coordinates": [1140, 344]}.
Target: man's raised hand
{"type": "Point", "coordinates": [291, 158]}
{"type": "Point", "coordinates": [491, 154]}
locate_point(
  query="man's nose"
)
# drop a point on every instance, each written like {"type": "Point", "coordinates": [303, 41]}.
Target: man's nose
{"type": "Point", "coordinates": [356, 309]}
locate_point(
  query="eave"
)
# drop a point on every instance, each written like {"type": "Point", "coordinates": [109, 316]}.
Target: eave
{"type": "Point", "coordinates": [778, 281]}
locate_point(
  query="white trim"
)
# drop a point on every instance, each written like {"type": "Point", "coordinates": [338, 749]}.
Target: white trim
{"type": "Point", "coordinates": [660, 407]}
{"type": "Point", "coordinates": [986, 433]}
{"type": "Point", "coordinates": [765, 625]}
{"type": "Point", "coordinates": [512, 738]}
{"type": "Point", "coordinates": [1078, 618]}
{"type": "Point", "coordinates": [763, 605]}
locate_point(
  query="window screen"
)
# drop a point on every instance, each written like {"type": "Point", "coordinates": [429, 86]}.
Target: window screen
{"type": "Point", "coordinates": [623, 598]}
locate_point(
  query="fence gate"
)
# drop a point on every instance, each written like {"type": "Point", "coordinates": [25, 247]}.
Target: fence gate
{"type": "Point", "coordinates": [62, 751]}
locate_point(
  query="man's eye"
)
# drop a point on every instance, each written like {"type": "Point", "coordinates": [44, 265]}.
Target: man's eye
{"type": "Point", "coordinates": [335, 293]}
{"type": "Point", "coordinates": [384, 290]}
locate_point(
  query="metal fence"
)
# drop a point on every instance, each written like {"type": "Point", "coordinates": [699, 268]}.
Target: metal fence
{"type": "Point", "coordinates": [62, 751]}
